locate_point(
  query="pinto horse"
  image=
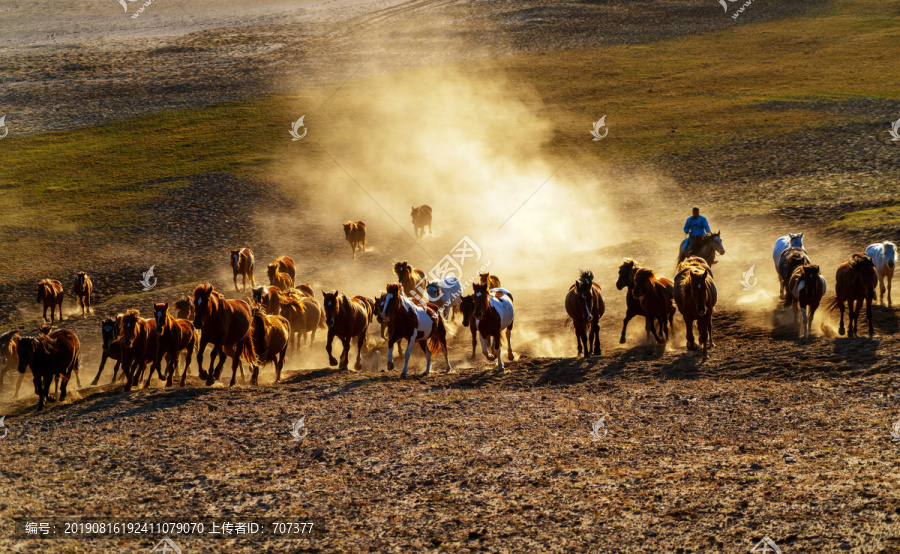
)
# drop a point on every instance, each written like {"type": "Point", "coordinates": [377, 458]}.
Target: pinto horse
{"type": "Point", "coordinates": [585, 306]}
{"type": "Point", "coordinates": [278, 278]}
{"type": "Point", "coordinates": [492, 281]}
{"type": "Point", "coordinates": [782, 244]}
{"type": "Point", "coordinates": [806, 287]}
{"type": "Point", "coordinates": [421, 217]}
{"type": "Point", "coordinates": [226, 325]}
{"type": "Point", "coordinates": [416, 323]}
{"type": "Point", "coordinates": [346, 318]}
{"type": "Point", "coordinates": [270, 340]}
{"type": "Point", "coordinates": [83, 289]}
{"type": "Point", "coordinates": [50, 292]}
{"type": "Point", "coordinates": [175, 335]}
{"type": "Point", "coordinates": [791, 258]}
{"type": "Point", "coordinates": [467, 310]}
{"type": "Point", "coordinates": [884, 255]}
{"type": "Point", "coordinates": [411, 279]}
{"type": "Point", "coordinates": [445, 294]}
{"type": "Point", "coordinates": [242, 264]}
{"type": "Point", "coordinates": [710, 245]}
{"type": "Point", "coordinates": [184, 308]}
{"type": "Point", "coordinates": [695, 296]}
{"type": "Point", "coordinates": [48, 356]}
{"type": "Point", "coordinates": [656, 296]}
{"type": "Point", "coordinates": [355, 233]}
{"type": "Point", "coordinates": [627, 269]}
{"type": "Point", "coordinates": [111, 346]}
{"type": "Point", "coordinates": [139, 346]}
{"type": "Point", "coordinates": [495, 313]}
{"type": "Point", "coordinates": [377, 307]}
{"type": "Point", "coordinates": [304, 315]}
{"type": "Point", "coordinates": [856, 279]}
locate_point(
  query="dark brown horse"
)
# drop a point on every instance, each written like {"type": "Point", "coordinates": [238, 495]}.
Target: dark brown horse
{"type": "Point", "coordinates": [632, 304]}
{"type": "Point", "coordinates": [421, 217]}
{"type": "Point", "coordinates": [856, 280]}
{"type": "Point", "coordinates": [278, 278]}
{"type": "Point", "coordinates": [184, 308]}
{"type": "Point", "coordinates": [304, 315]}
{"type": "Point", "coordinates": [9, 357]}
{"type": "Point", "coordinates": [346, 318]}
{"type": "Point", "coordinates": [355, 233]}
{"type": "Point", "coordinates": [267, 297]}
{"type": "Point", "coordinates": [709, 246]}
{"type": "Point", "coordinates": [48, 356]}
{"type": "Point", "coordinates": [585, 306]}
{"type": "Point", "coordinates": [805, 290]}
{"type": "Point", "coordinates": [656, 296]}
{"type": "Point", "coordinates": [492, 281]}
{"type": "Point", "coordinates": [377, 307]}
{"type": "Point", "coordinates": [415, 323]}
{"type": "Point", "coordinates": [467, 310]}
{"type": "Point", "coordinates": [411, 279]}
{"type": "Point", "coordinates": [50, 292]}
{"type": "Point", "coordinates": [495, 312]}
{"type": "Point", "coordinates": [791, 258]}
{"type": "Point", "coordinates": [222, 323]}
{"type": "Point", "coordinates": [696, 296]}
{"type": "Point", "coordinates": [82, 289]}
{"type": "Point", "coordinates": [286, 265]}
{"type": "Point", "coordinates": [175, 335]}
{"type": "Point", "coordinates": [110, 329]}
{"type": "Point", "coordinates": [242, 264]}
{"type": "Point", "coordinates": [269, 334]}
{"type": "Point", "coordinates": [139, 346]}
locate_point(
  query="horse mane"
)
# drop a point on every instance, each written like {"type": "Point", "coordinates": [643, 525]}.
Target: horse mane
{"type": "Point", "coordinates": [627, 261]}
{"type": "Point", "coordinates": [292, 302]}
{"type": "Point", "coordinates": [204, 287]}
{"type": "Point", "coordinates": [133, 312]}
{"type": "Point", "coordinates": [586, 278]}
{"type": "Point", "coordinates": [860, 261]}
{"type": "Point", "coordinates": [10, 334]}
{"type": "Point", "coordinates": [260, 340]}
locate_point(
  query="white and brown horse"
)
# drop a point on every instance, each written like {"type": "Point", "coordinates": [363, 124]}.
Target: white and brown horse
{"type": "Point", "coordinates": [805, 290]}
{"type": "Point", "coordinates": [884, 255]}
{"type": "Point", "coordinates": [242, 264]}
{"type": "Point", "coordinates": [416, 323]}
{"type": "Point", "coordinates": [585, 306]}
{"type": "Point", "coordinates": [495, 313]}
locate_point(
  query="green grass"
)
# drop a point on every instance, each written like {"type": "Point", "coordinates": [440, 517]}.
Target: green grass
{"type": "Point", "coordinates": [877, 218]}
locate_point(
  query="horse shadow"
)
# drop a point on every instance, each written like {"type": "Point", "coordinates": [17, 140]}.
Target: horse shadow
{"type": "Point", "coordinates": [885, 320]}
{"type": "Point", "coordinates": [860, 350]}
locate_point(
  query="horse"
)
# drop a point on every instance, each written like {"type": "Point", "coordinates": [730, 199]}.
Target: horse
{"type": "Point", "coordinates": [495, 313]}
{"type": "Point", "coordinates": [304, 316]}
{"type": "Point", "coordinates": [884, 255]}
{"type": "Point", "coordinates": [411, 279]}
{"type": "Point", "coordinates": [139, 346]}
{"type": "Point", "coordinates": [421, 217]}
{"type": "Point", "coordinates": [656, 296]}
{"type": "Point", "coordinates": [492, 281]}
{"type": "Point", "coordinates": [445, 294]}
{"type": "Point", "coordinates": [695, 296]}
{"type": "Point", "coordinates": [785, 242]}
{"type": "Point", "coordinates": [242, 264]}
{"type": "Point", "coordinates": [792, 258]}
{"type": "Point", "coordinates": [50, 292]}
{"type": "Point", "coordinates": [585, 306]}
{"type": "Point", "coordinates": [710, 245]}
{"type": "Point", "coordinates": [856, 279]}
{"type": "Point", "coordinates": [175, 335]}
{"type": "Point", "coordinates": [278, 278]}
{"type": "Point", "coordinates": [48, 356]}
{"type": "Point", "coordinates": [269, 334]}
{"type": "Point", "coordinates": [267, 297]}
{"type": "Point", "coordinates": [184, 308]}
{"type": "Point", "coordinates": [627, 269]}
{"type": "Point", "coordinates": [82, 289]}
{"type": "Point", "coordinates": [226, 325]}
{"type": "Point", "coordinates": [467, 310]}
{"type": "Point", "coordinates": [9, 357]}
{"type": "Point", "coordinates": [355, 233]}
{"type": "Point", "coordinates": [417, 323]}
{"type": "Point", "coordinates": [346, 318]}
{"type": "Point", "coordinates": [806, 287]}
{"type": "Point", "coordinates": [304, 290]}
{"type": "Point", "coordinates": [286, 264]}
{"type": "Point", "coordinates": [111, 346]}
{"type": "Point", "coordinates": [377, 307]}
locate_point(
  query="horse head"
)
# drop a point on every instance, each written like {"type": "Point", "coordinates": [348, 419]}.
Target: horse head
{"type": "Point", "coordinates": [272, 271]}
{"type": "Point", "coordinates": [349, 227]}
{"type": "Point", "coordinates": [642, 280]}
{"type": "Point", "coordinates": [890, 254]}
{"type": "Point", "coordinates": [203, 302]}
{"type": "Point", "coordinates": [401, 269]}
{"type": "Point", "coordinates": [379, 305]}
{"type": "Point", "coordinates": [482, 299]}
{"type": "Point", "coordinates": [81, 276]}
{"type": "Point", "coordinates": [795, 240]}
{"type": "Point", "coordinates": [717, 242]}
{"type": "Point", "coordinates": [25, 349]}
{"type": "Point", "coordinates": [183, 308]}
{"type": "Point", "coordinates": [584, 287]}
{"type": "Point", "coordinates": [236, 259]}
{"type": "Point", "coordinates": [9, 342]}
{"type": "Point", "coordinates": [434, 291]}
{"type": "Point", "coordinates": [130, 322]}
{"type": "Point", "coordinates": [696, 282]}
{"type": "Point", "coordinates": [809, 276]}
{"type": "Point", "coordinates": [391, 302]}
{"type": "Point", "coordinates": [329, 305]}
{"type": "Point", "coordinates": [43, 289]}
{"type": "Point", "coordinates": [109, 330]}
{"type": "Point", "coordinates": [467, 308]}
{"type": "Point", "coordinates": [160, 313]}
{"type": "Point", "coordinates": [414, 213]}
{"type": "Point", "coordinates": [626, 274]}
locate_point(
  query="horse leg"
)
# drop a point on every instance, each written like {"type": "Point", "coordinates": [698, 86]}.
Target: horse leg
{"type": "Point", "coordinates": [595, 333]}
{"type": "Point", "coordinates": [424, 345]}
{"type": "Point", "coordinates": [509, 352]}
{"type": "Point", "coordinates": [45, 392]}
{"type": "Point", "coordinates": [840, 303]}
{"type": "Point", "coordinates": [103, 358]}
{"type": "Point", "coordinates": [234, 279]}
{"type": "Point", "coordinates": [869, 315]}
{"type": "Point", "coordinates": [200, 372]}
{"type": "Point", "coordinates": [495, 351]}
{"type": "Point", "coordinates": [359, 347]}
{"type": "Point", "coordinates": [345, 353]}
{"type": "Point", "coordinates": [221, 363]}
{"type": "Point", "coordinates": [235, 362]}
{"type": "Point", "coordinates": [474, 329]}
{"type": "Point", "coordinates": [19, 384]}
{"type": "Point", "coordinates": [331, 361]}
{"type": "Point", "coordinates": [853, 316]}
{"type": "Point", "coordinates": [802, 310]}
{"type": "Point", "coordinates": [484, 349]}
{"type": "Point", "coordinates": [279, 364]}
{"type": "Point", "coordinates": [703, 329]}
{"type": "Point", "coordinates": [578, 333]}
{"type": "Point", "coordinates": [890, 278]}
{"type": "Point", "coordinates": [689, 331]}
{"type": "Point", "coordinates": [406, 355]}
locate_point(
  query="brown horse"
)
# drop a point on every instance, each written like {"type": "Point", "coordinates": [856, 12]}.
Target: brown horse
{"type": "Point", "coordinates": [411, 279]}
{"type": "Point", "coordinates": [856, 280]}
{"type": "Point", "coordinates": [346, 318]}
{"type": "Point", "coordinates": [222, 323]}
{"type": "Point", "coordinates": [184, 308]}
{"type": "Point", "coordinates": [48, 356]}
{"type": "Point", "coordinates": [175, 335]}
{"type": "Point", "coordinates": [50, 292]}
{"type": "Point", "coordinates": [304, 290]}
{"type": "Point", "coordinates": [791, 258]}
{"type": "Point", "coordinates": [377, 307]}
{"type": "Point", "coordinates": [467, 310]}
{"type": "Point", "coordinates": [695, 296]}
{"type": "Point", "coordinates": [278, 278]}
{"type": "Point", "coordinates": [286, 265]}
{"type": "Point", "coordinates": [267, 297]}
{"type": "Point", "coordinates": [355, 233]}
{"type": "Point", "coordinates": [242, 264]}
{"type": "Point", "coordinates": [709, 246]}
{"type": "Point", "coordinates": [585, 306]}
{"type": "Point", "coordinates": [494, 312]}
{"type": "Point", "coordinates": [415, 323]}
{"type": "Point", "coordinates": [805, 290]}
{"type": "Point", "coordinates": [269, 334]}
{"type": "Point", "coordinates": [139, 347]}
{"type": "Point", "coordinates": [9, 357]}
{"type": "Point", "coordinates": [421, 217]}
{"type": "Point", "coordinates": [656, 298]}
{"type": "Point", "coordinates": [110, 328]}
{"type": "Point", "coordinates": [304, 315]}
{"type": "Point", "coordinates": [492, 281]}
{"type": "Point", "coordinates": [627, 269]}
{"type": "Point", "coordinates": [83, 289]}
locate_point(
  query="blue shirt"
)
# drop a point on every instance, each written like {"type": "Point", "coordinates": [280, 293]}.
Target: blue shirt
{"type": "Point", "coordinates": [696, 226]}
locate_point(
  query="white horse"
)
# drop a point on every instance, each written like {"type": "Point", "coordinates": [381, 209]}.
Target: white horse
{"type": "Point", "coordinates": [782, 244]}
{"type": "Point", "coordinates": [446, 293]}
{"type": "Point", "coordinates": [495, 313]}
{"type": "Point", "coordinates": [884, 255]}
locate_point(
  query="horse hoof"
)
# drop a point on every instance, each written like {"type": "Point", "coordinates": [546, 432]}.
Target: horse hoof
{"type": "Point", "coordinates": [209, 382]}
{"type": "Point", "coordinates": [332, 362]}
{"type": "Point", "coordinates": [94, 384]}
{"type": "Point", "coordinates": [510, 357]}
{"type": "Point", "coordinates": [403, 375]}
{"type": "Point", "coordinates": [840, 331]}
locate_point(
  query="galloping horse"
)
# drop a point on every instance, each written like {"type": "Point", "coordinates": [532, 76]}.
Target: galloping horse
{"type": "Point", "coordinates": [48, 356]}
{"type": "Point", "coordinates": [223, 323]}
{"type": "Point", "coordinates": [278, 278]}
{"type": "Point", "coordinates": [495, 313]}
{"type": "Point", "coordinates": [791, 258]}
{"type": "Point", "coordinates": [270, 339]}
{"type": "Point", "coordinates": [184, 308]}
{"type": "Point", "coordinates": [805, 290]}
{"type": "Point", "coordinates": [492, 281]}
{"type": "Point", "coordinates": [139, 346]}
{"type": "Point", "coordinates": [782, 244]}
{"type": "Point", "coordinates": [175, 335]}
{"type": "Point", "coordinates": [9, 357]}
{"type": "Point", "coordinates": [50, 292]}
{"type": "Point", "coordinates": [286, 265]}
{"type": "Point", "coordinates": [355, 233]}
{"type": "Point", "coordinates": [695, 296]}
{"type": "Point", "coordinates": [627, 269]}
{"type": "Point", "coordinates": [242, 264]}
{"type": "Point", "coordinates": [377, 307]}
{"type": "Point", "coordinates": [346, 318]}
{"type": "Point", "coordinates": [421, 217]}
{"type": "Point", "coordinates": [884, 255]}
{"type": "Point", "coordinates": [445, 295]}
{"type": "Point", "coordinates": [83, 289]}
{"type": "Point", "coordinates": [111, 346]}
{"type": "Point", "coordinates": [412, 280]}
{"type": "Point", "coordinates": [856, 279]}
{"type": "Point", "coordinates": [415, 323]}
{"type": "Point", "coordinates": [304, 316]}
{"type": "Point", "coordinates": [710, 245]}
{"type": "Point", "coordinates": [467, 310]}
{"type": "Point", "coordinates": [585, 306]}
{"type": "Point", "coordinates": [267, 297]}
{"type": "Point", "coordinates": [656, 297]}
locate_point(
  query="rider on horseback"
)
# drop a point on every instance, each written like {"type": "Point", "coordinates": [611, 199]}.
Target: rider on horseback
{"type": "Point", "coordinates": [697, 227]}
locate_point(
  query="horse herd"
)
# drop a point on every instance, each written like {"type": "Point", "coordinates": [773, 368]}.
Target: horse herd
{"type": "Point", "coordinates": [275, 318]}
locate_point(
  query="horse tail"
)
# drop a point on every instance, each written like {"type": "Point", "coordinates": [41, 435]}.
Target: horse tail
{"type": "Point", "coordinates": [438, 339]}
{"type": "Point", "coordinates": [258, 333]}
{"type": "Point", "coordinates": [569, 321]}
{"type": "Point", "coordinates": [248, 353]}
{"type": "Point", "coordinates": [830, 303]}
{"type": "Point", "coordinates": [788, 300]}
